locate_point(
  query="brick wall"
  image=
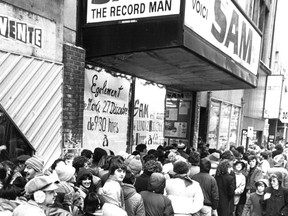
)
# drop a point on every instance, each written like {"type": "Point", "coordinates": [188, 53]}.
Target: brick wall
{"type": "Point", "coordinates": [73, 95]}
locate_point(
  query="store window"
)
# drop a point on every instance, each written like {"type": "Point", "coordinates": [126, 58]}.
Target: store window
{"type": "Point", "coordinates": [223, 124]}
{"type": "Point", "coordinates": [13, 140]}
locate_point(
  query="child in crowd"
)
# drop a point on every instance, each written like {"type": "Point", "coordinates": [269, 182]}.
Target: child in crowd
{"type": "Point", "coordinates": [239, 165]}
{"type": "Point", "coordinates": [252, 206]}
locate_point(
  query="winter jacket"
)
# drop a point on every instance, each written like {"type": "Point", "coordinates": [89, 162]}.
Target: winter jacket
{"type": "Point", "coordinates": [28, 209]}
{"type": "Point", "coordinates": [284, 174]}
{"type": "Point", "coordinates": [208, 184]}
{"type": "Point", "coordinates": [156, 204]}
{"type": "Point", "coordinates": [240, 186]}
{"type": "Point", "coordinates": [185, 194]}
{"type": "Point", "coordinates": [277, 204]}
{"type": "Point", "coordinates": [226, 186]}
{"type": "Point", "coordinates": [252, 206]}
{"type": "Point", "coordinates": [141, 183]}
{"type": "Point", "coordinates": [253, 176]}
{"type": "Point", "coordinates": [134, 205]}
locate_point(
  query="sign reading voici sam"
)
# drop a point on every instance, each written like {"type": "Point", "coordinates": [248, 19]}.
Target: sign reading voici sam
{"type": "Point", "coordinates": [224, 26]}
{"type": "Point", "coordinates": [111, 10]}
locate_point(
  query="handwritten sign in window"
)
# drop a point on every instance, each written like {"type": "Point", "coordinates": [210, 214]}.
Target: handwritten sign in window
{"type": "Point", "coordinates": [106, 99]}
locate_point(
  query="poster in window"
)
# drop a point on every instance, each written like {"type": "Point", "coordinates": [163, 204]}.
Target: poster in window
{"type": "Point", "coordinates": [224, 125]}
{"type": "Point", "coordinates": [176, 129]}
{"type": "Point", "coordinates": [106, 100]}
{"type": "Point", "coordinates": [148, 125]}
{"type": "Point", "coordinates": [213, 125]}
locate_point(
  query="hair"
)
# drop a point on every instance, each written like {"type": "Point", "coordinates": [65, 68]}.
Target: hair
{"type": "Point", "coordinates": [240, 149]}
{"type": "Point", "coordinates": [152, 166]}
{"type": "Point", "coordinates": [105, 161]}
{"type": "Point", "coordinates": [135, 153]}
{"type": "Point", "coordinates": [153, 152]}
{"type": "Point", "coordinates": [149, 157]}
{"type": "Point", "coordinates": [92, 203]}
{"type": "Point", "coordinates": [84, 177]}
{"type": "Point", "coordinates": [97, 155]}
{"type": "Point", "coordinates": [87, 153]}
{"type": "Point", "coordinates": [68, 156]}
{"type": "Point", "coordinates": [252, 157]}
{"type": "Point", "coordinates": [227, 155]}
{"type": "Point", "coordinates": [54, 164]}
{"type": "Point", "coordinates": [260, 183]}
{"type": "Point", "coordinates": [181, 167]}
{"type": "Point", "coordinates": [10, 192]}
{"type": "Point", "coordinates": [194, 158]}
{"type": "Point", "coordinates": [129, 178]}
{"type": "Point", "coordinates": [141, 147]}
{"type": "Point", "coordinates": [264, 155]}
{"type": "Point", "coordinates": [79, 162]}
{"type": "Point", "coordinates": [222, 168]}
{"type": "Point", "coordinates": [117, 163]}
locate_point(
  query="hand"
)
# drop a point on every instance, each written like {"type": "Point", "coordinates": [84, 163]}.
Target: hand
{"type": "Point", "coordinates": [267, 196]}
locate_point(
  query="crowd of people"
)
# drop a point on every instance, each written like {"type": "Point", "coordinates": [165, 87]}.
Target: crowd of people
{"type": "Point", "coordinates": [171, 180]}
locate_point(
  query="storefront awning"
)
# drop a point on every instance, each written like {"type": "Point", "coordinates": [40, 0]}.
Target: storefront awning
{"type": "Point", "coordinates": [31, 94]}
{"type": "Point", "coordinates": [179, 48]}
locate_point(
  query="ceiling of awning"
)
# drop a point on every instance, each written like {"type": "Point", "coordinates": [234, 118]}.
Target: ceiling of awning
{"type": "Point", "coordinates": [175, 67]}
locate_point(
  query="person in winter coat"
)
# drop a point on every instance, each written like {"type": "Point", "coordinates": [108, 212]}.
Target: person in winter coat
{"type": "Point", "coordinates": [209, 188]}
{"type": "Point", "coordinates": [185, 194]}
{"type": "Point", "coordinates": [239, 165]}
{"type": "Point", "coordinates": [112, 191]}
{"type": "Point", "coordinates": [92, 205]}
{"type": "Point", "coordinates": [156, 204]}
{"type": "Point", "coordinates": [41, 191]}
{"type": "Point", "coordinates": [151, 166]}
{"type": "Point", "coordinates": [252, 206]}
{"type": "Point", "coordinates": [278, 161]}
{"type": "Point", "coordinates": [134, 205]}
{"type": "Point", "coordinates": [254, 174]}
{"type": "Point", "coordinates": [275, 201]}
{"type": "Point", "coordinates": [226, 186]}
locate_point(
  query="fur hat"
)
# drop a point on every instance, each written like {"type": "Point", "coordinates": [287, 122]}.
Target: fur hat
{"type": "Point", "coordinates": [43, 183]}
{"type": "Point", "coordinates": [135, 165]}
{"type": "Point", "coordinates": [36, 163]}
{"type": "Point", "coordinates": [64, 172]}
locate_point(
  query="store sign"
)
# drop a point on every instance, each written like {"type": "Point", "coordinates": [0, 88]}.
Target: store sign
{"type": "Point", "coordinates": [110, 10]}
{"type": "Point", "coordinates": [284, 103]}
{"type": "Point", "coordinates": [149, 106]}
{"type": "Point", "coordinates": [20, 31]}
{"type": "Point", "coordinates": [225, 27]}
{"type": "Point", "coordinates": [106, 99]}
{"type": "Point", "coordinates": [273, 96]}
{"type": "Point", "coordinates": [29, 34]}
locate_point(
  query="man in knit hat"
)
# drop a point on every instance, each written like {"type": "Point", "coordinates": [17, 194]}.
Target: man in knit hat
{"type": "Point", "coordinates": [135, 166]}
{"type": "Point", "coordinates": [34, 167]}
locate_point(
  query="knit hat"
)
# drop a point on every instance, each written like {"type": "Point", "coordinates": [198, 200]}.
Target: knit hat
{"type": "Point", "coordinates": [64, 172]}
{"type": "Point", "coordinates": [265, 181]}
{"type": "Point", "coordinates": [278, 160]}
{"type": "Point", "coordinates": [36, 163]}
{"type": "Point", "coordinates": [157, 183]}
{"type": "Point", "coordinates": [135, 165]}
{"type": "Point", "coordinates": [43, 183]}
{"type": "Point", "coordinates": [240, 162]}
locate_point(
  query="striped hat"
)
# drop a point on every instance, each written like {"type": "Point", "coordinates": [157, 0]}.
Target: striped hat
{"type": "Point", "coordinates": [36, 163]}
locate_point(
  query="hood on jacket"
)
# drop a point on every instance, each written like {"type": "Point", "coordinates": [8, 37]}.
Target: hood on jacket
{"type": "Point", "coordinates": [205, 165]}
{"type": "Point", "coordinates": [157, 183]}
{"type": "Point", "coordinates": [82, 173]}
{"type": "Point", "coordinates": [128, 190]}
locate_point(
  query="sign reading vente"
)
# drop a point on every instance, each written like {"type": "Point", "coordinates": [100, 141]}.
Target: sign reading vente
{"type": "Point", "coordinates": [110, 10]}
{"type": "Point", "coordinates": [225, 27]}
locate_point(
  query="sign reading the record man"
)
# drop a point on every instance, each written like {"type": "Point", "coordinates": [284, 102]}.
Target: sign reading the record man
{"type": "Point", "coordinates": [111, 10]}
{"type": "Point", "coordinates": [106, 100]}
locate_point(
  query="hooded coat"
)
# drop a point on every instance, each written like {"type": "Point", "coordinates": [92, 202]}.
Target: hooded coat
{"type": "Point", "coordinates": [134, 205]}
{"type": "Point", "coordinates": [156, 204]}
{"type": "Point", "coordinates": [208, 184]}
